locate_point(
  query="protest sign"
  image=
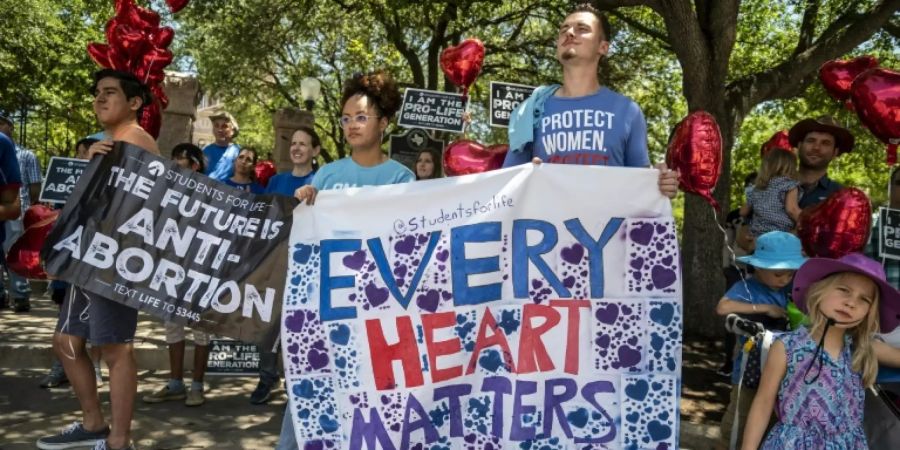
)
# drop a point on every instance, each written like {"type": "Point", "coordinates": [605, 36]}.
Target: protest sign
{"type": "Point", "coordinates": [432, 110]}
{"type": "Point", "coordinates": [889, 233]}
{"type": "Point", "coordinates": [405, 148]}
{"type": "Point", "coordinates": [505, 98]}
{"type": "Point", "coordinates": [227, 357]}
{"type": "Point", "coordinates": [62, 175]}
{"type": "Point", "coordinates": [141, 231]}
{"type": "Point", "coordinates": [467, 313]}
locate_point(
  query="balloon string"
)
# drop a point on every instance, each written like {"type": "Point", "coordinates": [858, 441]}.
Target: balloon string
{"type": "Point", "coordinates": [732, 254]}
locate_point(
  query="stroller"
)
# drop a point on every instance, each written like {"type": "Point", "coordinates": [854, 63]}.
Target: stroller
{"type": "Point", "coordinates": [760, 331]}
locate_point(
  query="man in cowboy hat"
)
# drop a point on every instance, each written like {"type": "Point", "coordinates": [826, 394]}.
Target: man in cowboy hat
{"type": "Point", "coordinates": [818, 141]}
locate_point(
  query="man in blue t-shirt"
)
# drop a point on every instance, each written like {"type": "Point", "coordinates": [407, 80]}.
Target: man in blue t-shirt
{"type": "Point", "coordinates": [10, 182]}
{"type": "Point", "coordinates": [582, 122]}
{"type": "Point", "coordinates": [220, 155]}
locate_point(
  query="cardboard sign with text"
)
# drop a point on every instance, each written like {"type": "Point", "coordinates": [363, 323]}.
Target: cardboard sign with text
{"type": "Point", "coordinates": [505, 98]}
{"type": "Point", "coordinates": [465, 313]}
{"type": "Point", "coordinates": [889, 233]}
{"type": "Point", "coordinates": [432, 110]}
{"type": "Point", "coordinates": [61, 178]}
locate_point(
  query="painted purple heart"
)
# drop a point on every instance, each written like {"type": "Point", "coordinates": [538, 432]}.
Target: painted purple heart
{"type": "Point", "coordinates": [628, 357]}
{"type": "Point", "coordinates": [442, 255]}
{"type": "Point", "coordinates": [602, 341]}
{"type": "Point", "coordinates": [406, 245]}
{"type": "Point", "coordinates": [667, 261]}
{"type": "Point", "coordinates": [662, 277]}
{"type": "Point", "coordinates": [569, 282]}
{"type": "Point", "coordinates": [535, 283]}
{"type": "Point", "coordinates": [293, 348]}
{"type": "Point", "coordinates": [294, 321]}
{"type": "Point", "coordinates": [637, 263]}
{"type": "Point", "coordinates": [429, 301]}
{"type": "Point", "coordinates": [400, 271]}
{"type": "Point", "coordinates": [573, 254]}
{"type": "Point", "coordinates": [608, 314]}
{"type": "Point", "coordinates": [355, 260]}
{"type": "Point", "coordinates": [642, 234]}
{"type": "Point", "coordinates": [660, 228]}
{"type": "Point", "coordinates": [317, 359]}
{"type": "Point", "coordinates": [376, 295]}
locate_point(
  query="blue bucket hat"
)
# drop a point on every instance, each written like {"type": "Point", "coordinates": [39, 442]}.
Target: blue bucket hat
{"type": "Point", "coordinates": [776, 250]}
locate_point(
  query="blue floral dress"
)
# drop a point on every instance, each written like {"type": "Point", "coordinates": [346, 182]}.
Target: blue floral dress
{"type": "Point", "coordinates": [824, 415]}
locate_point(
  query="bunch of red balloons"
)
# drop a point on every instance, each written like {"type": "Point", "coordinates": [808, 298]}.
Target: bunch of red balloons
{"type": "Point", "coordinates": [137, 44]}
{"type": "Point", "coordinates": [872, 91]}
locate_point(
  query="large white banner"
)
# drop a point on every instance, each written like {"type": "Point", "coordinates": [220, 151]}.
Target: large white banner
{"type": "Point", "coordinates": [537, 307]}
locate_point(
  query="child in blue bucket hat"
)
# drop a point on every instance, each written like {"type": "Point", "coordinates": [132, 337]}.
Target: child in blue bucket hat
{"type": "Point", "coordinates": [764, 296]}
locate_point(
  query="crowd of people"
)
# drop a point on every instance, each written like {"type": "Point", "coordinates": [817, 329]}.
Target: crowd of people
{"type": "Point", "coordinates": [830, 360]}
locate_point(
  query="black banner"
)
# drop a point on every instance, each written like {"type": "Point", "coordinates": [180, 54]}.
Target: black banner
{"type": "Point", "coordinates": [141, 231]}
{"type": "Point", "coordinates": [432, 110]}
{"type": "Point", "coordinates": [505, 98]}
{"type": "Point", "coordinates": [61, 178]}
{"type": "Point", "coordinates": [405, 149]}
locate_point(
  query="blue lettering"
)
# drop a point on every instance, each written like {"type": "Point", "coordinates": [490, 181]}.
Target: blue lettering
{"type": "Point", "coordinates": [330, 283]}
{"type": "Point", "coordinates": [461, 268]}
{"type": "Point", "coordinates": [594, 249]}
{"type": "Point", "coordinates": [522, 253]}
{"type": "Point", "coordinates": [384, 268]}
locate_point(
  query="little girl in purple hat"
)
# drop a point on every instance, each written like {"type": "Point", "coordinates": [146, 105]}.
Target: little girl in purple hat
{"type": "Point", "coordinates": [819, 374]}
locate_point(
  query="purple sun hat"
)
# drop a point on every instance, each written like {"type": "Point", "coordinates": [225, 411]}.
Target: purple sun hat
{"type": "Point", "coordinates": [816, 269]}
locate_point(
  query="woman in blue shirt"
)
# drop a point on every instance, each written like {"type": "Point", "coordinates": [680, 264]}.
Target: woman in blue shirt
{"type": "Point", "coordinates": [370, 102]}
{"type": "Point", "coordinates": [305, 147]}
{"type": "Point", "coordinates": [244, 172]}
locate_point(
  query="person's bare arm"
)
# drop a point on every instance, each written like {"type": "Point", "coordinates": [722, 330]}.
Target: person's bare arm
{"type": "Point", "coordinates": [10, 204]}
{"type": "Point", "coordinates": [766, 394]}
{"type": "Point", "coordinates": [885, 354]}
{"type": "Point", "coordinates": [142, 139]}
{"type": "Point", "coordinates": [728, 306]}
{"type": "Point", "coordinates": [792, 205]}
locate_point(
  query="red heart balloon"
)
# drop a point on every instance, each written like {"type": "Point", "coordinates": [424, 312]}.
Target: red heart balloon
{"type": "Point", "coordinates": [151, 119]}
{"type": "Point", "coordinates": [837, 75]}
{"type": "Point", "coordinates": [132, 44]}
{"type": "Point", "coordinates": [264, 170]}
{"type": "Point", "coordinates": [462, 63]}
{"type": "Point", "coordinates": [160, 95]}
{"type": "Point", "coordinates": [99, 53]}
{"type": "Point", "coordinates": [24, 256]}
{"type": "Point", "coordinates": [876, 98]}
{"type": "Point", "coordinates": [163, 38]}
{"type": "Point", "coordinates": [465, 156]}
{"type": "Point", "coordinates": [778, 141]}
{"type": "Point", "coordinates": [696, 152]}
{"type": "Point", "coordinates": [837, 226]}
{"type": "Point", "coordinates": [137, 16]}
{"type": "Point", "coordinates": [176, 5]}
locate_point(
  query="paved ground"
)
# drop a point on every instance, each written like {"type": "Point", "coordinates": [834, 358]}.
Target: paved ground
{"type": "Point", "coordinates": [228, 420]}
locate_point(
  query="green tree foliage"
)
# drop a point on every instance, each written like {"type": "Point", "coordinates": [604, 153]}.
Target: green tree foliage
{"type": "Point", "coordinates": [45, 68]}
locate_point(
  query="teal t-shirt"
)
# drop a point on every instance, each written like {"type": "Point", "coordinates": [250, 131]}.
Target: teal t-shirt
{"type": "Point", "coordinates": [346, 173]}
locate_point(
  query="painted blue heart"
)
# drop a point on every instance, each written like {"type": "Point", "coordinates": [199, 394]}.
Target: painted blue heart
{"type": "Point", "coordinates": [340, 362]}
{"type": "Point", "coordinates": [328, 423]}
{"type": "Point", "coordinates": [633, 417]}
{"type": "Point", "coordinates": [638, 390]}
{"type": "Point", "coordinates": [340, 334]}
{"type": "Point", "coordinates": [578, 418]}
{"type": "Point", "coordinates": [658, 430]}
{"type": "Point", "coordinates": [656, 341]}
{"type": "Point", "coordinates": [302, 253]}
{"type": "Point", "coordinates": [304, 389]}
{"type": "Point", "coordinates": [663, 314]}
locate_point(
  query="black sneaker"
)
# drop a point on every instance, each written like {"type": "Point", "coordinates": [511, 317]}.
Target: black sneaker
{"type": "Point", "coordinates": [56, 376]}
{"type": "Point", "coordinates": [262, 394]}
{"type": "Point", "coordinates": [21, 305]}
{"type": "Point", "coordinates": [73, 436]}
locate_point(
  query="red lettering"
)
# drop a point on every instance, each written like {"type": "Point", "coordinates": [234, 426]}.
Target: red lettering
{"type": "Point", "coordinates": [448, 347]}
{"type": "Point", "coordinates": [483, 341]}
{"type": "Point", "coordinates": [532, 352]}
{"type": "Point", "coordinates": [383, 354]}
{"type": "Point", "coordinates": [572, 332]}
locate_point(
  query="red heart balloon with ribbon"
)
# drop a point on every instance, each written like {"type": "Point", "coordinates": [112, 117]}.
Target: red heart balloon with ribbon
{"type": "Point", "coordinates": [99, 53]}
{"type": "Point", "coordinates": [696, 152]}
{"type": "Point", "coordinates": [779, 141]}
{"type": "Point", "coordinates": [24, 256]}
{"type": "Point", "coordinates": [837, 226]}
{"type": "Point", "coordinates": [151, 118]}
{"type": "Point", "coordinates": [837, 75]}
{"type": "Point", "coordinates": [136, 16]}
{"type": "Point", "coordinates": [876, 97]}
{"type": "Point", "coordinates": [163, 38]}
{"type": "Point", "coordinates": [176, 5]}
{"type": "Point", "coordinates": [462, 63]}
{"type": "Point", "coordinates": [465, 156]}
